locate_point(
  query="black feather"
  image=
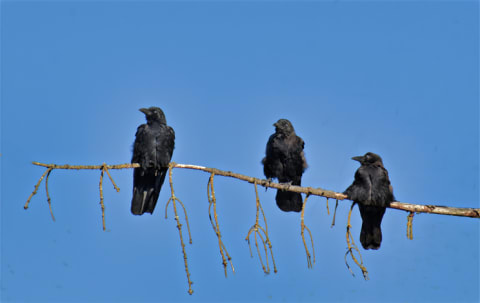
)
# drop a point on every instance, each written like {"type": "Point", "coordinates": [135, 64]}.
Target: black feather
{"type": "Point", "coordinates": [285, 161]}
{"type": "Point", "coordinates": [153, 149]}
{"type": "Point", "coordinates": [372, 191]}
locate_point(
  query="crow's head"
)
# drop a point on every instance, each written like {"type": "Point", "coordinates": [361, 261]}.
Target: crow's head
{"type": "Point", "coordinates": [284, 126]}
{"type": "Point", "coordinates": [369, 158]}
{"type": "Point", "coordinates": [154, 114]}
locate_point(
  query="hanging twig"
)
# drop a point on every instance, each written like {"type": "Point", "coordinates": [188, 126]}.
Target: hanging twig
{"type": "Point", "coordinates": [258, 229]}
{"type": "Point", "coordinates": [351, 245]}
{"type": "Point", "coordinates": [410, 226]}
{"type": "Point", "coordinates": [328, 210]}
{"type": "Point", "coordinates": [302, 228]}
{"type": "Point", "coordinates": [174, 200]}
{"type": "Point", "coordinates": [212, 200]}
{"type": "Point", "coordinates": [36, 187]}
{"type": "Point", "coordinates": [102, 205]}
{"type": "Point", "coordinates": [48, 196]}
{"type": "Point", "coordinates": [334, 214]}
{"type": "Point", "coordinates": [105, 168]}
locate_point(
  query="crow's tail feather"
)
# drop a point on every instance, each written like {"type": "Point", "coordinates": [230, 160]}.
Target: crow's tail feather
{"type": "Point", "coordinates": [371, 233]}
{"type": "Point", "coordinates": [144, 200]}
{"type": "Point", "coordinates": [146, 190]}
{"type": "Point", "coordinates": [289, 201]}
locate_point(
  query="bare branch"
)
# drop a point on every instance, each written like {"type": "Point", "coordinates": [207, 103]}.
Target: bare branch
{"type": "Point", "coordinates": [257, 229]}
{"type": "Point", "coordinates": [67, 166]}
{"type": "Point", "coordinates": [436, 209]}
{"type": "Point", "coordinates": [417, 208]}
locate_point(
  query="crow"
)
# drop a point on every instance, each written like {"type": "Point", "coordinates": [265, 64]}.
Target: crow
{"type": "Point", "coordinates": [372, 191]}
{"type": "Point", "coordinates": [153, 149]}
{"type": "Point", "coordinates": [285, 161]}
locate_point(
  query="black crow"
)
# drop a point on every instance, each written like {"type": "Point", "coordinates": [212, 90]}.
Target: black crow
{"type": "Point", "coordinates": [285, 161]}
{"type": "Point", "coordinates": [372, 191]}
{"type": "Point", "coordinates": [153, 149]}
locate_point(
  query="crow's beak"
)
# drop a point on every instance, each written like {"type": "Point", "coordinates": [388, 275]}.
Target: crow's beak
{"type": "Point", "coordinates": [358, 158]}
{"type": "Point", "coordinates": [144, 110]}
{"type": "Point", "coordinates": [275, 124]}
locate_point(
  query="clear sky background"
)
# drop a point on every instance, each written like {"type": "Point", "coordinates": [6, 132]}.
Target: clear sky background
{"type": "Point", "coordinates": [399, 79]}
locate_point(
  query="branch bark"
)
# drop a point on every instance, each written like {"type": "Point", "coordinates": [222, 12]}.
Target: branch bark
{"type": "Point", "coordinates": [417, 208]}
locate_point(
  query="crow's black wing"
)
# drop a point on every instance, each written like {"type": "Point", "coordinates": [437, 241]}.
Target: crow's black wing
{"type": "Point", "coordinates": [361, 187]}
{"type": "Point", "coordinates": [153, 149]}
{"type": "Point", "coordinates": [382, 191]}
{"type": "Point", "coordinates": [275, 154]}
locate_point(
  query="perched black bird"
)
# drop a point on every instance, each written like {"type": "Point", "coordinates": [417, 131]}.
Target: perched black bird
{"type": "Point", "coordinates": [372, 191]}
{"type": "Point", "coordinates": [153, 149]}
{"type": "Point", "coordinates": [285, 161]}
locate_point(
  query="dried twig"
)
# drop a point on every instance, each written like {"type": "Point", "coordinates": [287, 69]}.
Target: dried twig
{"type": "Point", "coordinates": [68, 166]}
{"type": "Point", "coordinates": [410, 226]}
{"type": "Point", "coordinates": [105, 168]}
{"type": "Point", "coordinates": [328, 210]}
{"type": "Point", "coordinates": [334, 214]}
{"type": "Point", "coordinates": [351, 245]}
{"type": "Point", "coordinates": [257, 229]}
{"type": "Point", "coordinates": [212, 200]}
{"type": "Point", "coordinates": [36, 187]}
{"type": "Point", "coordinates": [174, 199]}
{"type": "Point", "coordinates": [102, 205]}
{"type": "Point", "coordinates": [302, 228]}
{"type": "Point", "coordinates": [48, 196]}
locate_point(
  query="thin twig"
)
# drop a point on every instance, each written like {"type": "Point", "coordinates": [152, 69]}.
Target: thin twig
{"type": "Point", "coordinates": [302, 232]}
{"type": "Point", "coordinates": [334, 214]}
{"type": "Point", "coordinates": [258, 229]}
{"type": "Point", "coordinates": [36, 187]}
{"type": "Point", "coordinates": [328, 210]}
{"type": "Point", "coordinates": [179, 227]}
{"type": "Point", "coordinates": [186, 219]}
{"type": "Point", "coordinates": [186, 216]}
{"type": "Point", "coordinates": [101, 198]}
{"type": "Point", "coordinates": [265, 231]}
{"type": "Point", "coordinates": [259, 254]}
{"type": "Point", "coordinates": [216, 227]}
{"type": "Point", "coordinates": [105, 168]}
{"type": "Point", "coordinates": [48, 196]}
{"type": "Point", "coordinates": [351, 245]}
{"type": "Point", "coordinates": [410, 226]}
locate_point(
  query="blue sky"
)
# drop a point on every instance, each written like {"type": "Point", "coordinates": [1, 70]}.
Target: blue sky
{"type": "Point", "coordinates": [399, 79]}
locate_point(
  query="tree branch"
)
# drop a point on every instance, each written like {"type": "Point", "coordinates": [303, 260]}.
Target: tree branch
{"type": "Point", "coordinates": [417, 208]}
{"type": "Point", "coordinates": [256, 228]}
